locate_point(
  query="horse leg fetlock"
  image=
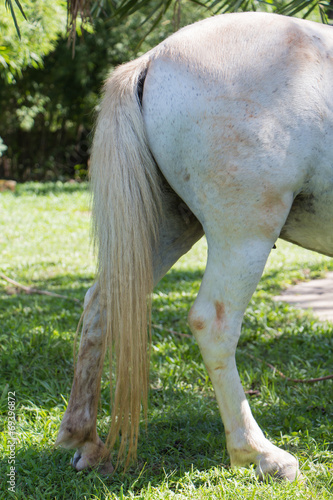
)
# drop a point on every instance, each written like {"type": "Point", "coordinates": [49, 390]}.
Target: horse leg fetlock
{"type": "Point", "coordinates": [277, 463]}
{"type": "Point", "coordinates": [77, 427]}
{"type": "Point", "coordinates": [269, 459]}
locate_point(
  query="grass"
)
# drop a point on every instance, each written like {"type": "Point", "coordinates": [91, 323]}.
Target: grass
{"type": "Point", "coordinates": [44, 243]}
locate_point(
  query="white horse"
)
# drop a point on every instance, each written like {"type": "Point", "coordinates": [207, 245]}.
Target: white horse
{"type": "Point", "coordinates": [232, 119]}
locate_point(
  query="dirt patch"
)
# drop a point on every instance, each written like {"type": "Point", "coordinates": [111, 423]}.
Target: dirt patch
{"type": "Point", "coordinates": [316, 295]}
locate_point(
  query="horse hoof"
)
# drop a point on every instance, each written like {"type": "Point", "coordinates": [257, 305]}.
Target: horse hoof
{"type": "Point", "coordinates": [89, 457]}
{"type": "Point", "coordinates": [106, 469]}
{"type": "Point", "coordinates": [282, 466]}
{"type": "Point", "coordinates": [80, 463]}
{"type": "Point", "coordinates": [75, 459]}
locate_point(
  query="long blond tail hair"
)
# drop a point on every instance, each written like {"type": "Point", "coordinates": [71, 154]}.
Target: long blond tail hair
{"type": "Point", "coordinates": [126, 211]}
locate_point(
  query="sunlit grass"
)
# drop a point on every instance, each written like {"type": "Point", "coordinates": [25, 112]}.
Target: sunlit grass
{"type": "Point", "coordinates": [44, 243]}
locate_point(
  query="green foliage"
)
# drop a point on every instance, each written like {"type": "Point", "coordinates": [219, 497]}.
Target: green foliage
{"type": "Point", "coordinates": [9, 4]}
{"type": "Point", "coordinates": [48, 98]}
{"type": "Point", "coordinates": [158, 10]}
{"type": "Point", "coordinates": [39, 33]}
{"type": "Point", "coordinates": [44, 243]}
{"type": "Point", "coordinates": [48, 114]}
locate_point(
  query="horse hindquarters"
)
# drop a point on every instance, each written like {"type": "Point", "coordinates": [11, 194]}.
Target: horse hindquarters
{"type": "Point", "coordinates": [238, 248]}
{"type": "Point", "coordinates": [237, 163]}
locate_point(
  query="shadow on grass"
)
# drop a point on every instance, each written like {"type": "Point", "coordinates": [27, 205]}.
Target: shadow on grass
{"type": "Point", "coordinates": [57, 284]}
{"type": "Point", "coordinates": [171, 447]}
{"type": "Point", "coordinates": [45, 188]}
{"type": "Point", "coordinates": [36, 341]}
{"type": "Point", "coordinates": [184, 429]}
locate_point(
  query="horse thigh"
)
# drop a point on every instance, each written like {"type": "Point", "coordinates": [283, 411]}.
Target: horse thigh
{"type": "Point", "coordinates": [179, 230]}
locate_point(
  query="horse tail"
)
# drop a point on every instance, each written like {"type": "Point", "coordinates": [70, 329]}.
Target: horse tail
{"type": "Point", "coordinates": [126, 211]}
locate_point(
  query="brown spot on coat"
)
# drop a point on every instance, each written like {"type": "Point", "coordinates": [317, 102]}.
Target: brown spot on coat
{"type": "Point", "coordinates": [195, 322]}
{"type": "Point", "coordinates": [198, 324]}
{"type": "Point", "coordinates": [220, 367]}
{"type": "Point", "coordinates": [219, 308]}
{"type": "Point", "coordinates": [244, 451]}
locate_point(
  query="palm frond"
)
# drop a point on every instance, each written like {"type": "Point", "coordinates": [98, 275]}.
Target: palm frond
{"type": "Point", "coordinates": [289, 8]}
{"type": "Point", "coordinates": [120, 9]}
{"type": "Point", "coordinates": [294, 7]}
{"type": "Point", "coordinates": [9, 5]}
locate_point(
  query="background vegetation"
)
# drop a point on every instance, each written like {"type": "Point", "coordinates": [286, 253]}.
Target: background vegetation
{"type": "Point", "coordinates": [48, 97]}
{"type": "Point", "coordinates": [44, 243]}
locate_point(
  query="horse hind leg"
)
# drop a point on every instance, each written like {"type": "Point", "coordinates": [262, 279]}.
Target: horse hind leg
{"type": "Point", "coordinates": [235, 263]}
{"type": "Point", "coordinates": [78, 427]}
{"type": "Point", "coordinates": [179, 230]}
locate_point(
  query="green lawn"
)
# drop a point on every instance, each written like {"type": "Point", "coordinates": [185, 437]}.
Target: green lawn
{"type": "Point", "coordinates": [44, 243]}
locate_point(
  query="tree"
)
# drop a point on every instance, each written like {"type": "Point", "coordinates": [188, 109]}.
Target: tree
{"type": "Point", "coordinates": [91, 9]}
{"type": "Point", "coordinates": [47, 110]}
{"type": "Point", "coordinates": [37, 37]}
{"type": "Point", "coordinates": [123, 8]}
{"type": "Point", "coordinates": [47, 97]}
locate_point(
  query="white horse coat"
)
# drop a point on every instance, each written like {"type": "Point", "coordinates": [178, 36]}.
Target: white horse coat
{"type": "Point", "coordinates": [236, 113]}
